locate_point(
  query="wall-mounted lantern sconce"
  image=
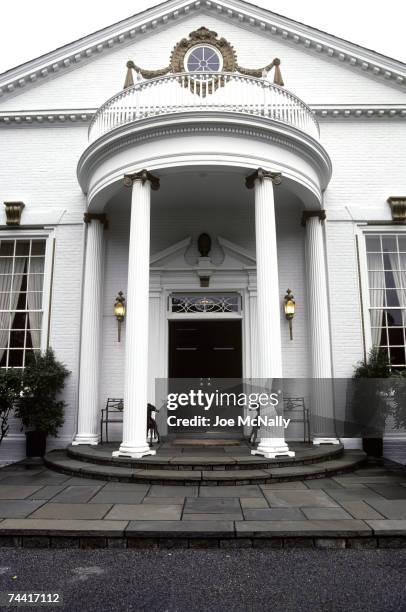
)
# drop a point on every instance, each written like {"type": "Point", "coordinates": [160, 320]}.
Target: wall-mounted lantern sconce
{"type": "Point", "coordinates": [290, 309]}
{"type": "Point", "coordinates": [119, 312]}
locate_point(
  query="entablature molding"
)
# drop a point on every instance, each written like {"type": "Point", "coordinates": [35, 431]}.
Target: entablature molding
{"type": "Point", "coordinates": [301, 159]}
{"type": "Point", "coordinates": [28, 118]}
{"type": "Point", "coordinates": [207, 124]}
{"type": "Point", "coordinates": [84, 116]}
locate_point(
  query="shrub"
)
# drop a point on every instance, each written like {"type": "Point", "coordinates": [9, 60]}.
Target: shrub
{"type": "Point", "coordinates": [43, 380]}
{"type": "Point", "coordinates": [10, 387]}
{"type": "Point", "coordinates": [372, 390]}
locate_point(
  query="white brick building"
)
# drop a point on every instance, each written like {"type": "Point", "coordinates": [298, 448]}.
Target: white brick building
{"type": "Point", "coordinates": [333, 136]}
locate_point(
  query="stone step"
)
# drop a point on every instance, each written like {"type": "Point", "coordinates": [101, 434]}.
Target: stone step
{"type": "Point", "coordinates": [169, 459]}
{"type": "Point", "coordinates": [60, 461]}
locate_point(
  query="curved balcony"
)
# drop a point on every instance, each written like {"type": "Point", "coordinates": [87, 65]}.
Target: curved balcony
{"type": "Point", "coordinates": [193, 92]}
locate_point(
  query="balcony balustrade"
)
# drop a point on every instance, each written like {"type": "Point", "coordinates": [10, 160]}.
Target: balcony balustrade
{"type": "Point", "coordinates": [219, 92]}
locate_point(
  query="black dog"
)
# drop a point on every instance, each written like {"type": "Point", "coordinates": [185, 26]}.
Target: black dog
{"type": "Point", "coordinates": [152, 427]}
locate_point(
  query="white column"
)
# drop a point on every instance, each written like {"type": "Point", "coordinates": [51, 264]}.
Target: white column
{"type": "Point", "coordinates": [322, 408]}
{"type": "Point", "coordinates": [272, 439]}
{"type": "Point", "coordinates": [88, 431]}
{"type": "Point", "coordinates": [134, 442]}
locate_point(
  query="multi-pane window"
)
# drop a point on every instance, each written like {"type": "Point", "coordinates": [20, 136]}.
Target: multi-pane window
{"type": "Point", "coordinates": [386, 257]}
{"type": "Point", "coordinates": [22, 265]}
{"type": "Point", "coordinates": [203, 58]}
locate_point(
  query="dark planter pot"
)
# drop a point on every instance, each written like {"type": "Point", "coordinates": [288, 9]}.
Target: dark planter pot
{"type": "Point", "coordinates": [36, 442]}
{"type": "Point", "coordinates": [373, 446]}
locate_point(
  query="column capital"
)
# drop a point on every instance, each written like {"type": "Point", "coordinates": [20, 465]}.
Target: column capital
{"type": "Point", "coordinates": [142, 176]}
{"type": "Point", "coordinates": [89, 217]}
{"type": "Point", "coordinates": [261, 174]}
{"type": "Point", "coordinates": [307, 214]}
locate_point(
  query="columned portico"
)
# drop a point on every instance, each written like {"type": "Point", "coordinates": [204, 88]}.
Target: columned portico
{"type": "Point", "coordinates": [88, 415]}
{"type": "Point", "coordinates": [272, 441]}
{"type": "Point", "coordinates": [134, 442]}
{"type": "Point", "coordinates": [321, 370]}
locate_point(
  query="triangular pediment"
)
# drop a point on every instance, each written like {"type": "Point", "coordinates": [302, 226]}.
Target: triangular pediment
{"type": "Point", "coordinates": [281, 32]}
{"type": "Point", "coordinates": [184, 255]}
{"type": "Point", "coordinates": [235, 253]}
{"type": "Point", "coordinates": [172, 256]}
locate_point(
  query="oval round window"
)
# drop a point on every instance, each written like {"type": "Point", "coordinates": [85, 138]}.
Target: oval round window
{"type": "Point", "coordinates": [203, 58]}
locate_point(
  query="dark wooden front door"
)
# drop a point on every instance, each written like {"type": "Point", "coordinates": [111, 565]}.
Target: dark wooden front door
{"type": "Point", "coordinates": [209, 355]}
{"type": "Point", "coordinates": [205, 349]}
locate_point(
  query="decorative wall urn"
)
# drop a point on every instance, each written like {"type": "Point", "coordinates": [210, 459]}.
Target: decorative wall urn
{"type": "Point", "coordinates": [13, 212]}
{"type": "Point", "coordinates": [398, 208]}
{"type": "Point", "coordinates": [205, 268]}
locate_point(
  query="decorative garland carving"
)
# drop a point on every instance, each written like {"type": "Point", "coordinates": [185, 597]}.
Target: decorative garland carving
{"type": "Point", "coordinates": [146, 74]}
{"type": "Point", "coordinates": [203, 36]}
{"type": "Point", "coordinates": [259, 72]}
{"type": "Point", "coordinates": [199, 37]}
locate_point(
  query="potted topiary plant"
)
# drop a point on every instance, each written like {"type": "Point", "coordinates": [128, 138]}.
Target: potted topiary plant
{"type": "Point", "coordinates": [40, 411]}
{"type": "Point", "coordinates": [10, 387]}
{"type": "Point", "coordinates": [372, 391]}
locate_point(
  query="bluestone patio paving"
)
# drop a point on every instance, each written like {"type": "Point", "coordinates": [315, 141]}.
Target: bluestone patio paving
{"type": "Point", "coordinates": [354, 494]}
{"type": "Point", "coordinates": [174, 501]}
{"type": "Point", "coordinates": [77, 494]}
{"type": "Point", "coordinates": [297, 499]}
{"type": "Point", "coordinates": [389, 491]}
{"type": "Point", "coordinates": [118, 497]}
{"type": "Point", "coordinates": [212, 504]}
{"type": "Point", "coordinates": [391, 509]}
{"type": "Point", "coordinates": [18, 491]}
{"type": "Point", "coordinates": [274, 514]}
{"type": "Point", "coordinates": [142, 512]}
{"type": "Point", "coordinates": [72, 511]}
{"type": "Point", "coordinates": [326, 513]}
{"type": "Point", "coordinates": [360, 510]}
{"type": "Point", "coordinates": [370, 501]}
{"type": "Point", "coordinates": [19, 508]}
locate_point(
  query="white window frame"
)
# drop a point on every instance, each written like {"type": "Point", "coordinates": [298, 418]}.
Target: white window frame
{"type": "Point", "coordinates": [199, 46]}
{"type": "Point", "coordinates": [48, 236]}
{"type": "Point", "coordinates": [361, 232]}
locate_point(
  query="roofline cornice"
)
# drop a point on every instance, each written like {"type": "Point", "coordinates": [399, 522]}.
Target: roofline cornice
{"type": "Point", "coordinates": [351, 111]}
{"type": "Point", "coordinates": [62, 116]}
{"type": "Point", "coordinates": [85, 115]}
{"type": "Point", "coordinates": [370, 62]}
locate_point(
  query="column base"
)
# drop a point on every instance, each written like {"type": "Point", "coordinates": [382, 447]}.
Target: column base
{"type": "Point", "coordinates": [135, 452]}
{"type": "Point", "coordinates": [324, 440]}
{"type": "Point", "coordinates": [271, 449]}
{"type": "Point", "coordinates": [92, 439]}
